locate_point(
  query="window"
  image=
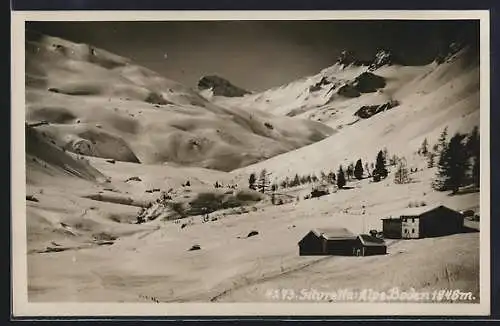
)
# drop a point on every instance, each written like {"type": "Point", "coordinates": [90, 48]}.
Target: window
{"type": "Point", "coordinates": [413, 220]}
{"type": "Point", "coordinates": [412, 230]}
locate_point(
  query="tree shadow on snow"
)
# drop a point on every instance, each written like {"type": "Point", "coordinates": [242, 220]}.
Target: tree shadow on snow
{"type": "Point", "coordinates": [467, 229]}
{"type": "Point", "coordinates": [465, 191]}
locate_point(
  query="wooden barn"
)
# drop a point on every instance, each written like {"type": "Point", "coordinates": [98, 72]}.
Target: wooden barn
{"type": "Point", "coordinates": [423, 222]}
{"type": "Point", "coordinates": [341, 242]}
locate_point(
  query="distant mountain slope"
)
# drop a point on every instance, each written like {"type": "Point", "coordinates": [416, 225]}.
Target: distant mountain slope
{"type": "Point", "coordinates": [99, 104]}
{"type": "Point", "coordinates": [335, 94]}
{"type": "Point", "coordinates": [392, 106]}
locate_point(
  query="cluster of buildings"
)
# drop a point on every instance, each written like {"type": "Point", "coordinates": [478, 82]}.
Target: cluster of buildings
{"type": "Point", "coordinates": [412, 223]}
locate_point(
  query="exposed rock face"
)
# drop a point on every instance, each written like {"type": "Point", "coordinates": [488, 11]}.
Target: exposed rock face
{"type": "Point", "coordinates": [349, 91]}
{"type": "Point", "coordinates": [368, 82]}
{"type": "Point", "coordinates": [382, 58]}
{"type": "Point", "coordinates": [447, 53]}
{"type": "Point", "coordinates": [220, 87]}
{"type": "Point", "coordinates": [347, 58]}
{"type": "Point", "coordinates": [368, 111]}
{"type": "Point", "coordinates": [316, 87]}
{"type": "Point", "coordinates": [155, 98]}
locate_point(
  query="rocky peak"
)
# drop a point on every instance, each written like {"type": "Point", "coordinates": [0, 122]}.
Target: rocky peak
{"type": "Point", "coordinates": [346, 58]}
{"type": "Point", "coordinates": [450, 50]}
{"type": "Point", "coordinates": [220, 86]}
{"type": "Point", "coordinates": [382, 57]}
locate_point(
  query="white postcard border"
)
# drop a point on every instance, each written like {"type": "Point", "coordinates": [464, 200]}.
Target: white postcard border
{"type": "Point", "coordinates": [22, 307]}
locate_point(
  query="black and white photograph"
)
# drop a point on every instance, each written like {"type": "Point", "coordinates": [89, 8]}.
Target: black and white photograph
{"type": "Point", "coordinates": [314, 162]}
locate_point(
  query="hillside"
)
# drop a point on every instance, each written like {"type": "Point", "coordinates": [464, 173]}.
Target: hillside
{"type": "Point", "coordinates": [394, 107]}
{"type": "Point", "coordinates": [156, 265]}
{"type": "Point", "coordinates": [99, 104]}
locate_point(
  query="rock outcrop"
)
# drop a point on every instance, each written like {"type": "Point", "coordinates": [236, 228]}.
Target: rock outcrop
{"type": "Point", "coordinates": [347, 58]}
{"type": "Point", "coordinates": [448, 52]}
{"type": "Point", "coordinates": [368, 111]}
{"type": "Point", "coordinates": [220, 86]}
{"type": "Point", "coordinates": [368, 82]}
{"type": "Point", "coordinates": [382, 58]}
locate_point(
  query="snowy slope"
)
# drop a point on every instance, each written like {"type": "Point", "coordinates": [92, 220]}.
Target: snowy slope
{"type": "Point", "coordinates": [426, 99]}
{"type": "Point", "coordinates": [103, 105]}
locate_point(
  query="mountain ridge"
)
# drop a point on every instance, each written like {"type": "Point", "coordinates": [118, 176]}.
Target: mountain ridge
{"type": "Point", "coordinates": [100, 104]}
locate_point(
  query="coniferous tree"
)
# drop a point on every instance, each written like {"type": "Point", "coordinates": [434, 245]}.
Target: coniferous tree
{"type": "Point", "coordinates": [296, 181]}
{"type": "Point", "coordinates": [358, 170]}
{"type": "Point", "coordinates": [439, 182]}
{"type": "Point", "coordinates": [424, 148]}
{"type": "Point", "coordinates": [380, 171]}
{"type": "Point", "coordinates": [430, 159]}
{"type": "Point", "coordinates": [332, 177]}
{"type": "Point", "coordinates": [323, 176]}
{"type": "Point", "coordinates": [393, 160]}
{"type": "Point", "coordinates": [452, 165]}
{"type": "Point", "coordinates": [303, 179]}
{"type": "Point", "coordinates": [442, 141]}
{"type": "Point", "coordinates": [251, 181]}
{"type": "Point", "coordinates": [401, 175]}
{"type": "Point", "coordinates": [367, 169]}
{"type": "Point", "coordinates": [311, 178]}
{"type": "Point", "coordinates": [340, 178]}
{"type": "Point", "coordinates": [386, 154]}
{"type": "Point", "coordinates": [476, 171]}
{"type": "Point", "coordinates": [473, 150]}
{"type": "Point", "coordinates": [264, 182]}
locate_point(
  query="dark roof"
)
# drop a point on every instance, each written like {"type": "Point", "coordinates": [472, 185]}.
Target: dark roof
{"type": "Point", "coordinates": [368, 240]}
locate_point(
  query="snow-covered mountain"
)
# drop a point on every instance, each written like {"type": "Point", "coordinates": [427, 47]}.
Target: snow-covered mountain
{"type": "Point", "coordinates": [371, 105]}
{"type": "Point", "coordinates": [100, 104]}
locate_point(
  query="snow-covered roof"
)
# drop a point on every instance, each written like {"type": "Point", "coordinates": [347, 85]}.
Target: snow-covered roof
{"type": "Point", "coordinates": [416, 211]}
{"type": "Point", "coordinates": [368, 240]}
{"type": "Point", "coordinates": [334, 233]}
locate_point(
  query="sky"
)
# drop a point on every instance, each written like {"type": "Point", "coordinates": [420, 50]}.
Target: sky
{"type": "Point", "coordinates": [257, 55]}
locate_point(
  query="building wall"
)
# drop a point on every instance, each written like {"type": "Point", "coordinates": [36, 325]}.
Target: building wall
{"type": "Point", "coordinates": [375, 250]}
{"type": "Point", "coordinates": [344, 247]}
{"type": "Point", "coordinates": [441, 222]}
{"type": "Point", "coordinates": [392, 229]}
{"type": "Point", "coordinates": [410, 227]}
{"type": "Point", "coordinates": [311, 245]}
